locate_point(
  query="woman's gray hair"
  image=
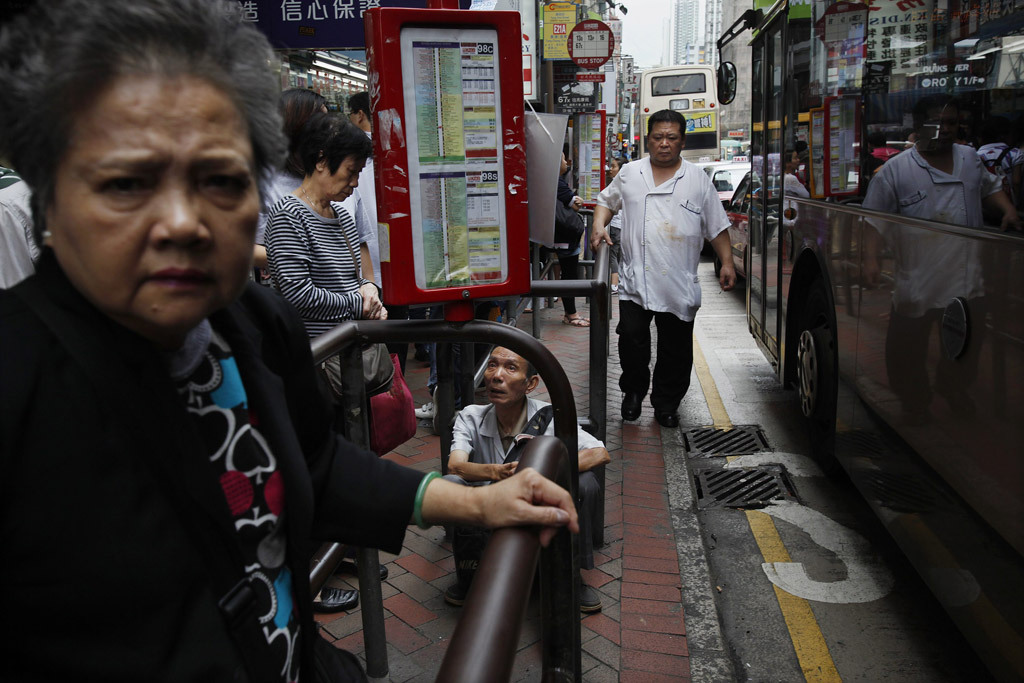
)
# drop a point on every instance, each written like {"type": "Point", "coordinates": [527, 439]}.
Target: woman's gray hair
{"type": "Point", "coordinates": [60, 54]}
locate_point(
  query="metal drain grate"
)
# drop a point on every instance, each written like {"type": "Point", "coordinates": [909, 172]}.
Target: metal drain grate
{"type": "Point", "coordinates": [738, 440]}
{"type": "Point", "coordinates": [751, 487]}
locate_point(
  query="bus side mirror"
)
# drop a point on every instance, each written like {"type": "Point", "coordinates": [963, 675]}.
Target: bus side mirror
{"type": "Point", "coordinates": [726, 82]}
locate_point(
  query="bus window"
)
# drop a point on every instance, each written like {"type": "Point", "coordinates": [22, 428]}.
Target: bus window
{"type": "Point", "coordinates": [679, 84]}
{"type": "Point", "coordinates": [690, 90]}
{"type": "Point", "coordinates": [876, 76]}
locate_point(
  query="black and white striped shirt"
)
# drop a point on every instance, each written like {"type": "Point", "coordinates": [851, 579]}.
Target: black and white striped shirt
{"type": "Point", "coordinates": [312, 266]}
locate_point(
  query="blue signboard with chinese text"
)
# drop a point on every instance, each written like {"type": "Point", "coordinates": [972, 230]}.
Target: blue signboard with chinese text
{"type": "Point", "coordinates": [317, 24]}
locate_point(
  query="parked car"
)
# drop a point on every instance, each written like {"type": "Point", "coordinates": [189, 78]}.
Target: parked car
{"type": "Point", "coordinates": [738, 210]}
{"type": "Point", "coordinates": [726, 177]}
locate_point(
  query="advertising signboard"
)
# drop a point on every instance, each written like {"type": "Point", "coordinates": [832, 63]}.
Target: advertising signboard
{"type": "Point", "coordinates": [528, 21]}
{"type": "Point", "coordinates": [590, 153]}
{"type": "Point", "coordinates": [317, 24]}
{"type": "Point", "coordinates": [559, 20]}
{"type": "Point", "coordinates": [572, 96]}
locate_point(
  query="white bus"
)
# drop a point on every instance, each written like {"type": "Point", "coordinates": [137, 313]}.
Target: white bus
{"type": "Point", "coordinates": [690, 90]}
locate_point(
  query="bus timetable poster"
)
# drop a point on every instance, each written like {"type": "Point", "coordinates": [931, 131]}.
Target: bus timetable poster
{"type": "Point", "coordinates": [455, 163]}
{"type": "Point", "coordinates": [816, 173]}
{"type": "Point", "coordinates": [842, 146]}
{"type": "Point", "coordinates": [590, 153]}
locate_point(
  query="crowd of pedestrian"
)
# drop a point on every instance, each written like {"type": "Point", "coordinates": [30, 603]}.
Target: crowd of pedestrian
{"type": "Point", "coordinates": [174, 232]}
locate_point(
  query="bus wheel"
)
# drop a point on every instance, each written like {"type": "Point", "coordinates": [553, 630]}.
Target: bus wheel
{"type": "Point", "coordinates": [817, 377]}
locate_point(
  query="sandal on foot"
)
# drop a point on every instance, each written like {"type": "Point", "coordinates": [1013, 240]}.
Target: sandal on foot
{"type": "Point", "coordinates": [575, 322]}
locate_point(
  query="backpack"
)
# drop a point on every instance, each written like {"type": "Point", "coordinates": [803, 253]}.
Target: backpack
{"type": "Point", "coordinates": [569, 226]}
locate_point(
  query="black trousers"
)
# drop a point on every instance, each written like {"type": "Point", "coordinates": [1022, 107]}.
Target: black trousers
{"type": "Point", "coordinates": [675, 355]}
{"type": "Point", "coordinates": [908, 362]}
{"type": "Point", "coordinates": [570, 266]}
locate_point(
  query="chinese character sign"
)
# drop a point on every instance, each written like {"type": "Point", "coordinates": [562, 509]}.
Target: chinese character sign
{"type": "Point", "coordinates": [559, 20]}
{"type": "Point", "coordinates": [591, 43]}
{"type": "Point", "coordinates": [316, 24]}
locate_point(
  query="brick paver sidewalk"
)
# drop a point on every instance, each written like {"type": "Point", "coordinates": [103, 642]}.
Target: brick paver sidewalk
{"type": "Point", "coordinates": [640, 634]}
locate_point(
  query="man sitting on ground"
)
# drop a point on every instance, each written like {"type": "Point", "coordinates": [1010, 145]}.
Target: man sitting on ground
{"type": "Point", "coordinates": [484, 435]}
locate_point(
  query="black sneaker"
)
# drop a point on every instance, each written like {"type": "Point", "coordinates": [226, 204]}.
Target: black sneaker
{"type": "Point", "coordinates": [589, 599]}
{"type": "Point", "coordinates": [455, 594]}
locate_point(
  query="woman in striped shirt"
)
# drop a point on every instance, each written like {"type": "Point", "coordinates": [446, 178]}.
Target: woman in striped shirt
{"type": "Point", "coordinates": [312, 242]}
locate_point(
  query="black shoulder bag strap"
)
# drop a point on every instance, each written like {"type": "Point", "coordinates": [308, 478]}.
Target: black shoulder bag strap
{"type": "Point", "coordinates": [238, 602]}
{"type": "Point", "coordinates": [537, 425]}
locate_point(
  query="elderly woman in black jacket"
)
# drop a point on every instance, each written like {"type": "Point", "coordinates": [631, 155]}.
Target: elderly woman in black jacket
{"type": "Point", "coordinates": [166, 451]}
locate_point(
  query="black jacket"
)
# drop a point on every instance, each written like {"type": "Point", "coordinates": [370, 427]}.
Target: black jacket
{"type": "Point", "coordinates": [117, 541]}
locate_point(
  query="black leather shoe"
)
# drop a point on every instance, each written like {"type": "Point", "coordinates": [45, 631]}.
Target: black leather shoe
{"type": "Point", "coordinates": [667, 419]}
{"type": "Point", "coordinates": [336, 600]}
{"type": "Point", "coordinates": [455, 594]}
{"type": "Point", "coordinates": [631, 406]}
{"type": "Point", "coordinates": [590, 601]}
{"type": "Point", "coordinates": [349, 567]}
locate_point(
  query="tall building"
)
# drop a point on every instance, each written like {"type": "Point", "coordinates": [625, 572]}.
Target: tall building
{"type": "Point", "coordinates": [686, 24]}
{"type": "Point", "coordinates": [696, 26]}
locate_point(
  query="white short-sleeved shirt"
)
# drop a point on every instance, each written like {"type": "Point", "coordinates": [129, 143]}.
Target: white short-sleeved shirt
{"type": "Point", "coordinates": [476, 432]}
{"type": "Point", "coordinates": [18, 250]}
{"type": "Point", "coordinates": [362, 206]}
{"type": "Point", "coordinates": [663, 231]}
{"type": "Point", "coordinates": [932, 267]}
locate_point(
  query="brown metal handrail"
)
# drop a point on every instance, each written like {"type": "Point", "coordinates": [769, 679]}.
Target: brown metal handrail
{"type": "Point", "coordinates": [483, 646]}
{"type": "Point", "coordinates": [559, 566]}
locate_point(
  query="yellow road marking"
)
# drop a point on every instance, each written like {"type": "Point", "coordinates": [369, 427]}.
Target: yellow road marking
{"type": "Point", "coordinates": [808, 641]}
{"type": "Point", "coordinates": [719, 416]}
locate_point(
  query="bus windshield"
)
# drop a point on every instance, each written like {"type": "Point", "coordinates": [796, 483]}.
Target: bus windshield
{"type": "Point", "coordinates": [690, 90]}
{"type": "Point", "coordinates": [678, 84]}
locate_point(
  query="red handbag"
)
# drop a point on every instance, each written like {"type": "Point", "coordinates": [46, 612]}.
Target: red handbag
{"type": "Point", "coordinates": [392, 416]}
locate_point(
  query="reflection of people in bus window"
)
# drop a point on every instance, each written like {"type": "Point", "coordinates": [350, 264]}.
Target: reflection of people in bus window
{"type": "Point", "coordinates": [879, 152]}
{"type": "Point", "coordinates": [1000, 155]}
{"type": "Point", "coordinates": [935, 180]}
{"type": "Point", "coordinates": [791, 185]}
{"type": "Point", "coordinates": [938, 179]}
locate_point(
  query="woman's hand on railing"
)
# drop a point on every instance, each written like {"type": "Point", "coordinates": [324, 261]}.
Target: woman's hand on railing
{"type": "Point", "coordinates": [522, 500]}
{"type": "Point", "coordinates": [529, 499]}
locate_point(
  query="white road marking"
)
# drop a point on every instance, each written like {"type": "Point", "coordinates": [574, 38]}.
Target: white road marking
{"type": "Point", "coordinates": [796, 464]}
{"type": "Point", "coordinates": [867, 579]}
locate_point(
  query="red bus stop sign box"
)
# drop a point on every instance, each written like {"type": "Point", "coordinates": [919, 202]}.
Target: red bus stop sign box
{"type": "Point", "coordinates": [446, 92]}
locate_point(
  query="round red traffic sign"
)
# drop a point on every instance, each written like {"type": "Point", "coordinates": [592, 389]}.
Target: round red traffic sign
{"type": "Point", "coordinates": [591, 43]}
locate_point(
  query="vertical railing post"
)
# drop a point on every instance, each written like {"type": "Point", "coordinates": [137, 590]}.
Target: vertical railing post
{"type": "Point", "coordinates": [444, 399]}
{"type": "Point", "coordinates": [467, 373]}
{"type": "Point", "coordinates": [599, 330]}
{"type": "Point", "coordinates": [371, 598]}
{"type": "Point", "coordinates": [535, 265]}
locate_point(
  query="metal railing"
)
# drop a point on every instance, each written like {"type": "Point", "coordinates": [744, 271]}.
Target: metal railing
{"type": "Point", "coordinates": [598, 291]}
{"type": "Point", "coordinates": [483, 646]}
{"type": "Point", "coordinates": [559, 562]}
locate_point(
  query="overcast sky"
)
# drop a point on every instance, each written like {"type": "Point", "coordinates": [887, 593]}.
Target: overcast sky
{"type": "Point", "coordinates": [642, 29]}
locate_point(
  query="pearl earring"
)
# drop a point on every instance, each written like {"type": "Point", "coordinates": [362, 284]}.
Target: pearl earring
{"type": "Point", "coordinates": [47, 236]}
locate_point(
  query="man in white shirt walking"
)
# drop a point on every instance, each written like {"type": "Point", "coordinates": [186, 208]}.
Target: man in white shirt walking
{"type": "Point", "coordinates": [668, 207]}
